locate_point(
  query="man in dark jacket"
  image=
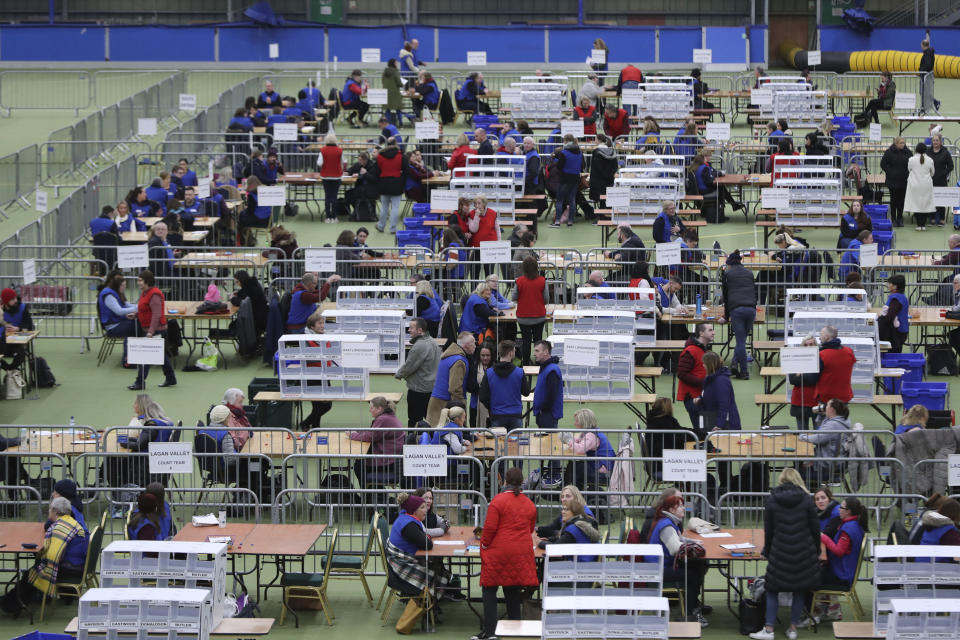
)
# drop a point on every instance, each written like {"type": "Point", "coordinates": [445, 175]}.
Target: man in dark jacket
{"type": "Point", "coordinates": [533, 180]}
{"type": "Point", "coordinates": [894, 167]}
{"type": "Point", "coordinates": [926, 66]}
{"type": "Point", "coordinates": [814, 145]}
{"type": "Point", "coordinates": [942, 170]}
{"type": "Point", "coordinates": [484, 146]}
{"type": "Point", "coordinates": [631, 249]}
{"type": "Point", "coordinates": [503, 388]}
{"type": "Point", "coordinates": [740, 308]}
{"type": "Point", "coordinates": [390, 171]}
{"type": "Point", "coordinates": [603, 167]}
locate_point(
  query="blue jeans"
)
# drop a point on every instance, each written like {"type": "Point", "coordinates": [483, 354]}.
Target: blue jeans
{"type": "Point", "coordinates": [630, 108]}
{"type": "Point", "coordinates": [796, 608]}
{"type": "Point", "coordinates": [566, 197]}
{"type": "Point", "coordinates": [391, 204]}
{"type": "Point", "coordinates": [693, 411]}
{"type": "Point", "coordinates": [741, 320]}
{"type": "Point", "coordinates": [507, 422]}
{"type": "Point", "coordinates": [126, 328]}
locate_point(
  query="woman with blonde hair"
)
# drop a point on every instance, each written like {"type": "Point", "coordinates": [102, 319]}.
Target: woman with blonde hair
{"type": "Point", "coordinates": [429, 306]}
{"type": "Point", "coordinates": [792, 549]}
{"type": "Point", "coordinates": [594, 444]}
{"type": "Point", "coordinates": [459, 156]}
{"type": "Point", "coordinates": [915, 418]}
{"type": "Point", "coordinates": [569, 495]}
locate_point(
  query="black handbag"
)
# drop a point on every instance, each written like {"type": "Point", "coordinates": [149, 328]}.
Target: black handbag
{"type": "Point", "coordinates": [941, 360]}
{"type": "Point", "coordinates": [751, 614]}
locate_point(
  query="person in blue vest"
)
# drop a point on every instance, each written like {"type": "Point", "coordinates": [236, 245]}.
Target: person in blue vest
{"type": "Point", "coordinates": [268, 98]}
{"type": "Point", "coordinates": [140, 205]}
{"type": "Point", "coordinates": [16, 315]}
{"type": "Point", "coordinates": [191, 207]}
{"type": "Point", "coordinates": [450, 384]}
{"type": "Point", "coordinates": [894, 320]}
{"type": "Point", "coordinates": [145, 520]}
{"type": "Point", "coordinates": [350, 99]}
{"type": "Point", "coordinates": [276, 116]}
{"type": "Point", "coordinates": [497, 301]}
{"type": "Point", "coordinates": [240, 122]}
{"type": "Point", "coordinates": [503, 388]}
{"type": "Point", "coordinates": [594, 472]}
{"type": "Point", "coordinates": [687, 573]}
{"type": "Point", "coordinates": [105, 222]}
{"type": "Point", "coordinates": [168, 528]}
{"type": "Point", "coordinates": [570, 493]}
{"type": "Point", "coordinates": [429, 93]}
{"type": "Point", "coordinates": [125, 221]}
{"type": "Point", "coordinates": [254, 215]}
{"type": "Point", "coordinates": [850, 260]}
{"type": "Point", "coordinates": [569, 162]}
{"type": "Point", "coordinates": [667, 226]}
{"type": "Point", "coordinates": [408, 535]}
{"type": "Point", "coordinates": [577, 528]}
{"type": "Point", "coordinates": [157, 193]}
{"type": "Point", "coordinates": [220, 432]}
{"type": "Point", "coordinates": [293, 112]}
{"type": "Point", "coordinates": [939, 528]}
{"type": "Point", "coordinates": [429, 307]}
{"type": "Point", "coordinates": [843, 550]}
{"type": "Point", "coordinates": [311, 94]}
{"type": "Point", "coordinates": [477, 311]}
{"type": "Point", "coordinates": [449, 432]}
{"type": "Point", "coordinates": [468, 95]}
{"type": "Point", "coordinates": [189, 177]}
{"type": "Point", "coordinates": [157, 426]}
{"type": "Point", "coordinates": [67, 488]}
{"type": "Point", "coordinates": [828, 510]}
{"type": "Point", "coordinates": [389, 130]}
{"type": "Point", "coordinates": [548, 391]}
{"type": "Point", "coordinates": [117, 317]}
{"type": "Point", "coordinates": [916, 417]}
{"type": "Point", "coordinates": [595, 279]}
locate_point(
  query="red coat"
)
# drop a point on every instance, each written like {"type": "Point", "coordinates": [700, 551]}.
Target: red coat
{"type": "Point", "coordinates": [506, 549]}
{"type": "Point", "coordinates": [459, 157]}
{"type": "Point", "coordinates": [487, 230]}
{"type": "Point", "coordinates": [836, 368]}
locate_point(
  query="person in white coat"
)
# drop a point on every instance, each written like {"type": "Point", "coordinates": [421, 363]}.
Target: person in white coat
{"type": "Point", "coordinates": [919, 200]}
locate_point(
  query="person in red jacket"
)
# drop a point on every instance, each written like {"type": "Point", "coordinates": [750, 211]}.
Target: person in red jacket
{"type": "Point", "coordinates": [330, 163]}
{"type": "Point", "coordinates": [691, 372]}
{"type": "Point", "coordinates": [506, 552]}
{"type": "Point", "coordinates": [152, 314]}
{"type": "Point", "coordinates": [483, 227]}
{"type": "Point", "coordinates": [836, 368]}
{"type": "Point", "coordinates": [587, 112]}
{"type": "Point", "coordinates": [459, 156]}
{"type": "Point", "coordinates": [391, 171]}
{"type": "Point", "coordinates": [803, 396]}
{"type": "Point", "coordinates": [616, 122]}
{"type": "Point", "coordinates": [530, 295]}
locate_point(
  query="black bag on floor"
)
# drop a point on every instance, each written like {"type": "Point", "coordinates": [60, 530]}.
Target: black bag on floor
{"type": "Point", "coordinates": [45, 377]}
{"type": "Point", "coordinates": [751, 614]}
{"type": "Point", "coordinates": [366, 210]}
{"type": "Point", "coordinates": [941, 360]}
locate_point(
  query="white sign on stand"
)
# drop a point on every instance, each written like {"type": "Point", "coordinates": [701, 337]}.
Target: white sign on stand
{"type": "Point", "coordinates": [188, 102]}
{"type": "Point", "coordinates": [146, 126]}
{"type": "Point", "coordinates": [799, 360]}
{"type": "Point", "coordinates": [813, 58]}
{"type": "Point", "coordinates": [376, 96]}
{"type": "Point", "coordinates": [774, 198]}
{"type": "Point", "coordinates": [272, 196]}
{"type": "Point", "coordinates": [444, 200]}
{"type": "Point", "coordinates": [320, 260]}
{"type": "Point", "coordinates": [682, 465]}
{"type": "Point", "coordinates": [133, 256]}
{"type": "Point", "coordinates": [946, 196]}
{"type": "Point", "coordinates": [581, 352]}
{"type": "Point", "coordinates": [424, 460]}
{"type": "Point", "coordinates": [599, 56]}
{"type": "Point", "coordinates": [618, 197]}
{"type": "Point", "coordinates": [905, 101]}
{"type": "Point", "coordinates": [703, 56]}
{"type": "Point", "coordinates": [361, 355]}
{"type": "Point", "coordinates": [876, 131]}
{"type": "Point", "coordinates": [203, 187]}
{"type": "Point", "coordinates": [868, 255]}
{"type": "Point", "coordinates": [145, 350]}
{"type": "Point", "coordinates": [29, 271]}
{"type": "Point", "coordinates": [631, 96]}
{"type": "Point", "coordinates": [285, 132]}
{"type": "Point", "coordinates": [718, 131]}
{"type": "Point", "coordinates": [476, 58]}
{"type": "Point", "coordinates": [510, 95]}
{"type": "Point", "coordinates": [573, 127]}
{"type": "Point", "coordinates": [494, 251]}
{"type": "Point", "coordinates": [668, 253]}
{"type": "Point", "coordinates": [761, 97]}
{"type": "Point", "coordinates": [427, 130]}
{"type": "Point", "coordinates": [953, 469]}
{"type": "Point", "coordinates": [369, 55]}
{"type": "Point", "coordinates": [40, 201]}
{"type": "Point", "coordinates": [171, 457]}
{"type": "Point", "coordinates": [273, 50]}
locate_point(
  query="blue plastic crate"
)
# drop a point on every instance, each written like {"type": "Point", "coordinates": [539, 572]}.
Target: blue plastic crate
{"type": "Point", "coordinates": [932, 395]}
{"type": "Point", "coordinates": [881, 224]}
{"type": "Point", "coordinates": [414, 237]}
{"type": "Point", "coordinates": [40, 635]}
{"type": "Point", "coordinates": [413, 222]}
{"type": "Point", "coordinates": [420, 208]}
{"type": "Point", "coordinates": [876, 210]}
{"type": "Point", "coordinates": [913, 365]}
{"type": "Point", "coordinates": [884, 240]}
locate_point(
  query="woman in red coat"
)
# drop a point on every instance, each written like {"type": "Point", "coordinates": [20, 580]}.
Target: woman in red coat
{"type": "Point", "coordinates": [506, 552]}
{"type": "Point", "coordinates": [459, 156]}
{"type": "Point", "coordinates": [483, 222]}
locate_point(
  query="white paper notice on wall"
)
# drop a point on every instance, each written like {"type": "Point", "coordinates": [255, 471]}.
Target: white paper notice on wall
{"type": "Point", "coordinates": [572, 127]}
{"type": "Point", "coordinates": [376, 96]}
{"type": "Point", "coordinates": [599, 56]}
{"type": "Point", "coordinates": [510, 95]}
{"type": "Point", "coordinates": [681, 465]}
{"type": "Point", "coordinates": [577, 351]}
{"type": "Point", "coordinates": [905, 101]}
{"type": "Point", "coordinates": [361, 355]}
{"type": "Point", "coordinates": [146, 126]}
{"type": "Point", "coordinates": [632, 96]}
{"type": "Point", "coordinates": [145, 350]}
{"type": "Point", "coordinates": [946, 196]}
{"type": "Point", "coordinates": [320, 260]}
{"type": "Point", "coordinates": [494, 251]}
{"type": "Point", "coordinates": [285, 132]}
{"type": "Point", "coordinates": [703, 56]}
{"type": "Point", "coordinates": [40, 201]}
{"type": "Point", "coordinates": [761, 97]}
{"type": "Point", "coordinates": [618, 197]}
{"type": "Point", "coordinates": [476, 58]}
{"type": "Point", "coordinates": [273, 51]}
{"type": "Point", "coordinates": [29, 271]}
{"type": "Point", "coordinates": [953, 469]}
{"type": "Point", "coordinates": [134, 256]}
{"type": "Point", "coordinates": [424, 459]}
{"type": "Point", "coordinates": [668, 253]}
{"type": "Point", "coordinates": [188, 102]}
{"type": "Point", "coordinates": [876, 131]}
{"type": "Point", "coordinates": [203, 187]}
{"type": "Point", "coordinates": [774, 198]}
{"type": "Point", "coordinates": [171, 457]}
{"type": "Point", "coordinates": [272, 196]}
{"type": "Point", "coordinates": [868, 255]}
{"type": "Point", "coordinates": [813, 58]}
{"type": "Point", "coordinates": [718, 131]}
{"type": "Point", "coordinates": [799, 360]}
{"type": "Point", "coordinates": [443, 200]}
{"type": "Point", "coordinates": [428, 130]}
{"type": "Point", "coordinates": [369, 55]}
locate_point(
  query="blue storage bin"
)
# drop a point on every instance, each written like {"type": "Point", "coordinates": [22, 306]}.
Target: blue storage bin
{"type": "Point", "coordinates": [414, 237]}
{"type": "Point", "coordinates": [420, 208]}
{"type": "Point", "coordinates": [932, 395]}
{"type": "Point", "coordinates": [875, 210]}
{"type": "Point", "coordinates": [913, 364]}
{"type": "Point", "coordinates": [881, 224]}
{"type": "Point", "coordinates": [413, 222]}
{"type": "Point", "coordinates": [884, 240]}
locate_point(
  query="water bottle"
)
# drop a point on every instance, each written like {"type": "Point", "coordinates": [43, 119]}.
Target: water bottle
{"type": "Point", "coordinates": [73, 421]}
{"type": "Point", "coordinates": [24, 440]}
{"type": "Point", "coordinates": [699, 305]}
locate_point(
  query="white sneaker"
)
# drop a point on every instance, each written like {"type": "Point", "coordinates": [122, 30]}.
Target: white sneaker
{"type": "Point", "coordinates": [791, 634]}
{"type": "Point", "coordinates": [809, 622]}
{"type": "Point", "coordinates": [763, 634]}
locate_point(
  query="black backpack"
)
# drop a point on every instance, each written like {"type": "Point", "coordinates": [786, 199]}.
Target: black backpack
{"type": "Point", "coordinates": [941, 360]}
{"type": "Point", "coordinates": [45, 377]}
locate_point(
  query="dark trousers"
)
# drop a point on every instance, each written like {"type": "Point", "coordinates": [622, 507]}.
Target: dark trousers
{"type": "Point", "coordinates": [318, 408]}
{"type": "Point", "coordinates": [920, 218]}
{"type": "Point", "coordinates": [168, 372]}
{"type": "Point", "coordinates": [546, 422]}
{"type": "Point", "coordinates": [693, 411]}
{"type": "Point", "coordinates": [872, 107]}
{"type": "Point", "coordinates": [566, 199]}
{"type": "Point", "coordinates": [955, 340]}
{"type": "Point", "coordinates": [689, 577]}
{"type": "Point", "coordinates": [126, 328]}
{"type": "Point", "coordinates": [330, 190]}
{"type": "Point", "coordinates": [416, 407]}
{"type": "Point", "coordinates": [896, 204]}
{"type": "Point", "coordinates": [529, 334]}
{"type": "Point", "coordinates": [512, 596]}
{"type": "Point", "coordinates": [360, 107]}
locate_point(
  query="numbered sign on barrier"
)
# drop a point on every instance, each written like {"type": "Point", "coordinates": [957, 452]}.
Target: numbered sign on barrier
{"type": "Point", "coordinates": [813, 58]}
{"type": "Point", "coordinates": [799, 360]}
{"type": "Point", "coordinates": [29, 271]}
{"type": "Point", "coordinates": [668, 253]}
{"type": "Point", "coordinates": [272, 196]}
{"type": "Point", "coordinates": [761, 97]}
{"type": "Point", "coordinates": [718, 131]}
{"type": "Point", "coordinates": [443, 200]}
{"type": "Point", "coordinates": [510, 95]}
{"type": "Point", "coordinates": [572, 127]}
{"type": "Point", "coordinates": [171, 457]}
{"type": "Point", "coordinates": [774, 198]}
{"type": "Point", "coordinates": [188, 102]}
{"type": "Point", "coordinates": [320, 260]}
{"type": "Point", "coordinates": [946, 196]}
{"type": "Point", "coordinates": [876, 131]}
{"type": "Point", "coordinates": [868, 255]}
{"type": "Point", "coordinates": [953, 469]}
{"type": "Point", "coordinates": [285, 132]}
{"type": "Point", "coordinates": [632, 96]}
{"type": "Point", "coordinates": [906, 101]}
{"type": "Point", "coordinates": [203, 187]}
{"type": "Point", "coordinates": [424, 459]}
{"type": "Point", "coordinates": [146, 126]}
{"type": "Point", "coordinates": [376, 96]}
{"type": "Point", "coordinates": [429, 130]}
{"type": "Point", "coordinates": [133, 256]}
{"type": "Point", "coordinates": [681, 465]}
{"type": "Point", "coordinates": [494, 251]}
{"type": "Point", "coordinates": [618, 197]}
{"type": "Point", "coordinates": [145, 350]}
{"type": "Point", "coordinates": [40, 201]}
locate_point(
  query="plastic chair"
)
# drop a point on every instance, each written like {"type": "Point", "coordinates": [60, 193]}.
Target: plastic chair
{"type": "Point", "coordinates": [824, 595]}
{"type": "Point", "coordinates": [383, 534]}
{"type": "Point", "coordinates": [89, 576]}
{"type": "Point", "coordinates": [353, 566]}
{"type": "Point", "coordinates": [107, 343]}
{"type": "Point", "coordinates": [309, 585]}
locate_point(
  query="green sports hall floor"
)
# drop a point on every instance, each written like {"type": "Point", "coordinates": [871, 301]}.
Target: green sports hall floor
{"type": "Point", "coordinates": [98, 396]}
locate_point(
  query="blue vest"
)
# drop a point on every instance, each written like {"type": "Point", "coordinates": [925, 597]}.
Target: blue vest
{"type": "Point", "coordinates": [850, 221]}
{"type": "Point", "coordinates": [835, 513]}
{"type": "Point", "coordinates": [131, 224]}
{"type": "Point", "coordinates": [533, 154]}
{"type": "Point", "coordinates": [432, 99]}
{"type": "Point", "coordinates": [140, 208]}
{"type": "Point", "coordinates": [163, 435]}
{"type": "Point", "coordinates": [244, 123]}
{"type": "Point", "coordinates": [431, 313]}
{"type": "Point", "coordinates": [273, 96]}
{"type": "Point", "coordinates": [292, 112]}
{"type": "Point", "coordinates": [261, 213]}
{"type": "Point", "coordinates": [135, 530]}
{"type": "Point", "coordinates": [78, 517]}
{"type": "Point", "coordinates": [581, 538]}
{"type": "Point", "coordinates": [216, 434]}
{"type": "Point", "coordinates": [189, 179]}
{"type": "Point", "coordinates": [191, 211]}
{"type": "Point", "coordinates": [459, 270]}
{"type": "Point", "coordinates": [904, 315]}
{"type": "Point", "coordinates": [699, 175]}
{"type": "Point", "coordinates": [602, 455]}
{"type": "Point", "coordinates": [166, 523]}
{"type": "Point", "coordinates": [277, 118]}
{"type": "Point", "coordinates": [664, 296]}
{"type": "Point", "coordinates": [463, 93]}
{"type": "Point", "coordinates": [572, 162]}
{"type": "Point", "coordinates": [101, 224]}
{"type": "Point", "coordinates": [348, 97]}
{"type": "Point", "coordinates": [441, 385]}
{"type": "Point", "coordinates": [845, 566]}
{"type": "Point", "coordinates": [667, 225]}
{"type": "Point", "coordinates": [540, 390]}
{"type": "Point", "coordinates": [391, 131]}
{"type": "Point", "coordinates": [932, 537]}
{"type": "Point", "coordinates": [469, 320]}
{"type": "Point", "coordinates": [658, 528]}
{"type": "Point", "coordinates": [850, 257]}
{"type": "Point", "coordinates": [397, 538]}
{"type": "Point", "coordinates": [76, 552]}
{"type": "Point", "coordinates": [158, 194]}
{"type": "Point", "coordinates": [299, 311]}
{"type": "Point", "coordinates": [108, 317]}
{"type": "Point", "coordinates": [15, 317]}
{"type": "Point", "coordinates": [505, 398]}
{"type": "Point", "coordinates": [438, 436]}
{"type": "Point", "coordinates": [313, 95]}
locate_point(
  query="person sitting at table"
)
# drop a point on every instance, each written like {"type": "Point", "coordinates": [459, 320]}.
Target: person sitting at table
{"type": "Point", "coordinates": [429, 93]}
{"type": "Point", "coordinates": [649, 138]}
{"type": "Point", "coordinates": [386, 438]}
{"type": "Point", "coordinates": [886, 97]}
{"type": "Point", "coordinates": [315, 326]}
{"type": "Point", "coordinates": [668, 225]}
{"type": "Point", "coordinates": [61, 559]}
{"type": "Point", "coordinates": [803, 396]}
{"type": "Point", "coordinates": [686, 573]}
{"type": "Point", "coordinates": [148, 413]}
{"type": "Point", "coordinates": [417, 172]}
{"type": "Point", "coordinates": [570, 494]}
{"type": "Point", "coordinates": [589, 441]}
{"type": "Point", "coordinates": [168, 528]}
{"type": "Point", "coordinates": [305, 298]}
{"type": "Point", "coordinates": [791, 545]}
{"type": "Point", "coordinates": [191, 208]}
{"type": "Point", "coordinates": [829, 441]}
{"type": "Point", "coordinates": [468, 95]}
{"type": "Point", "coordinates": [152, 316]}
{"type": "Point", "coordinates": [249, 288]}
{"type": "Point", "coordinates": [814, 145]}
{"type": "Point", "coordinates": [497, 301]}
{"type": "Point", "coordinates": [894, 319]}
{"type": "Point", "coordinates": [429, 306]}
{"type": "Point", "coordinates": [140, 205]}
{"type": "Point", "coordinates": [449, 433]}
{"type": "Point", "coordinates": [240, 122]}
{"type": "Point", "coordinates": [717, 404]}
{"type": "Point", "coordinates": [218, 430]}
{"type": "Point", "coordinates": [915, 418]}
{"type": "Point", "coordinates": [616, 122]}
{"type": "Point", "coordinates": [850, 260]}
{"type": "Point", "coordinates": [350, 99]}
{"type": "Point", "coordinates": [828, 510]}
{"type": "Point", "coordinates": [157, 193]}
{"type": "Point", "coordinates": [389, 130]}
{"type": "Point", "coordinates": [16, 313]}
{"type": "Point", "coordinates": [853, 222]}
{"type": "Point", "coordinates": [475, 317]}
{"type": "Point", "coordinates": [162, 255]}
{"type": "Point", "coordinates": [105, 223]}
{"type": "Point", "coordinates": [841, 553]}
{"type": "Point", "coordinates": [253, 215]}
{"type": "Point", "coordinates": [939, 526]}
{"type": "Point", "coordinates": [434, 524]}
{"type": "Point", "coordinates": [576, 528]}
{"type": "Point", "coordinates": [459, 156]}
{"type": "Point", "coordinates": [145, 523]}
{"type": "Point", "coordinates": [67, 488]}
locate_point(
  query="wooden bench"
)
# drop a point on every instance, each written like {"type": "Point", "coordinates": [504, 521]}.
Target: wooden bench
{"type": "Point", "coordinates": [709, 113]}
{"type": "Point", "coordinates": [906, 121]}
{"type": "Point", "coordinates": [534, 628]}
{"type": "Point", "coordinates": [879, 403]}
